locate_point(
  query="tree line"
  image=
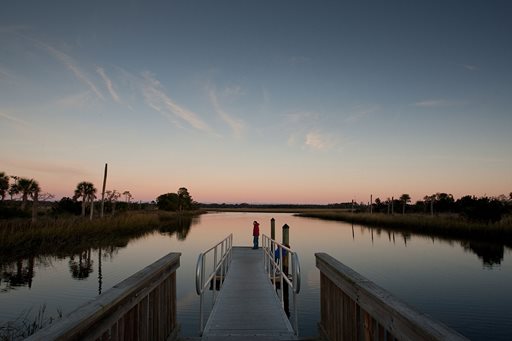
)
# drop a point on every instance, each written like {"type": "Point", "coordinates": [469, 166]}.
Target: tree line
{"type": "Point", "coordinates": [481, 209]}
{"type": "Point", "coordinates": [179, 201]}
{"type": "Point", "coordinates": [29, 191]}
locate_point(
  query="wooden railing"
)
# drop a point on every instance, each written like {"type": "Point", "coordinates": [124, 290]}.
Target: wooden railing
{"type": "Point", "coordinates": [142, 307]}
{"type": "Point", "coordinates": [354, 308]}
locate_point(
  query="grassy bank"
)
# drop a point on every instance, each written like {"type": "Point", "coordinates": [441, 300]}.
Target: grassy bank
{"type": "Point", "coordinates": [66, 234]}
{"type": "Point", "coordinates": [449, 226]}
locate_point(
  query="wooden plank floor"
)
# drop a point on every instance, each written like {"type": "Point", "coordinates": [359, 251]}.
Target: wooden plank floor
{"type": "Point", "coordinates": [247, 307]}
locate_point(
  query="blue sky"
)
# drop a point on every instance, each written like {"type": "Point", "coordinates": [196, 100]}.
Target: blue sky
{"type": "Point", "coordinates": [259, 101]}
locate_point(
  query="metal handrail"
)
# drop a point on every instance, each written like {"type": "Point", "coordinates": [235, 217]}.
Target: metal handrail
{"type": "Point", "coordinates": [274, 266]}
{"type": "Point", "coordinates": [220, 266]}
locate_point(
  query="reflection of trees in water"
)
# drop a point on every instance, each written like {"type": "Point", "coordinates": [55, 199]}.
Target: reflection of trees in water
{"type": "Point", "coordinates": [17, 274]}
{"type": "Point", "coordinates": [16, 271]}
{"type": "Point", "coordinates": [83, 267]}
{"type": "Point", "coordinates": [491, 254]}
{"type": "Point", "coordinates": [181, 227]}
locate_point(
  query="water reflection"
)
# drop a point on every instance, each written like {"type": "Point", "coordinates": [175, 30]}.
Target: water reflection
{"type": "Point", "coordinates": [439, 276]}
{"type": "Point", "coordinates": [83, 267]}
{"type": "Point", "coordinates": [17, 274]}
{"type": "Point", "coordinates": [20, 271]}
{"type": "Point", "coordinates": [490, 254]}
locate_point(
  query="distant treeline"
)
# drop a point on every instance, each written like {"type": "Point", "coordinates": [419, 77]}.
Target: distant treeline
{"type": "Point", "coordinates": [265, 206]}
{"type": "Point", "coordinates": [479, 209]}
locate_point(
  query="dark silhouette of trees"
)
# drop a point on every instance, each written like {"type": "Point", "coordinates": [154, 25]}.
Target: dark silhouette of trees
{"type": "Point", "coordinates": [4, 185]}
{"type": "Point", "coordinates": [168, 202]}
{"type": "Point", "coordinates": [128, 196]}
{"type": "Point", "coordinates": [180, 201]}
{"type": "Point", "coordinates": [86, 191]}
{"type": "Point", "coordinates": [405, 198]}
{"type": "Point", "coordinates": [112, 197]}
{"type": "Point", "coordinates": [67, 205]}
{"type": "Point", "coordinates": [482, 209]}
{"type": "Point", "coordinates": [27, 187]}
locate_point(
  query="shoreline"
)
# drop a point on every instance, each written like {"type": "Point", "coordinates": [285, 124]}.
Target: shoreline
{"type": "Point", "coordinates": [446, 226]}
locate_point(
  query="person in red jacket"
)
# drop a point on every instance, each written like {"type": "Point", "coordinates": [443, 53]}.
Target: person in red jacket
{"type": "Point", "coordinates": [255, 234]}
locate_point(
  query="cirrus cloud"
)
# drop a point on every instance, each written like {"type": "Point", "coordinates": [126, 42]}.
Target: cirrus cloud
{"type": "Point", "coordinates": [320, 141]}
{"type": "Point", "coordinates": [157, 99]}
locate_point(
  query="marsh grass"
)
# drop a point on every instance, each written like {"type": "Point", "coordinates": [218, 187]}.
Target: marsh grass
{"type": "Point", "coordinates": [444, 225]}
{"type": "Point", "coordinates": [27, 324]}
{"type": "Point", "coordinates": [20, 237]}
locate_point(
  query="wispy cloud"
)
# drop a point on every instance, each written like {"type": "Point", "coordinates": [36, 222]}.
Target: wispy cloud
{"type": "Point", "coordinates": [71, 65]}
{"type": "Point", "coordinates": [79, 100]}
{"type": "Point", "coordinates": [436, 103]}
{"type": "Point", "coordinates": [108, 83]}
{"type": "Point", "coordinates": [157, 99]}
{"type": "Point", "coordinates": [46, 167]}
{"type": "Point", "coordinates": [320, 141]}
{"type": "Point", "coordinates": [13, 119]}
{"type": "Point", "coordinates": [236, 125]}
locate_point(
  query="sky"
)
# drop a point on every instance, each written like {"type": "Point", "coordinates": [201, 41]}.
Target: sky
{"type": "Point", "coordinates": [259, 101]}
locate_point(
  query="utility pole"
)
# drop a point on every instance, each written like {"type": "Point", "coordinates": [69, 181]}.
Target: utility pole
{"type": "Point", "coordinates": [103, 191]}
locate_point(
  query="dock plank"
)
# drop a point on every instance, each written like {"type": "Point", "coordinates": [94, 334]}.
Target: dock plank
{"type": "Point", "coordinates": [247, 307]}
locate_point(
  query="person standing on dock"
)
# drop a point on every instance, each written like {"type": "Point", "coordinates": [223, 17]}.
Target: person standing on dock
{"type": "Point", "coordinates": [255, 234]}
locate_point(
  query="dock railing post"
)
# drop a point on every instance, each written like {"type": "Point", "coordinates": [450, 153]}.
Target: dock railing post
{"type": "Point", "coordinates": [272, 229]}
{"type": "Point", "coordinates": [285, 269]}
{"type": "Point", "coordinates": [201, 296]}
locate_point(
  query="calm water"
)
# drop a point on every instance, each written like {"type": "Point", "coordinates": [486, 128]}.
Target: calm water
{"type": "Point", "coordinates": [464, 285]}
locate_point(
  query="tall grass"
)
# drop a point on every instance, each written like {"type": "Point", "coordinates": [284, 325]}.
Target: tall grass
{"type": "Point", "coordinates": [27, 324]}
{"type": "Point", "coordinates": [20, 237]}
{"type": "Point", "coordinates": [445, 225]}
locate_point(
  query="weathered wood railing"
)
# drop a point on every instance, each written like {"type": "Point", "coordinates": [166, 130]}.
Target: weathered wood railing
{"type": "Point", "coordinates": [142, 307]}
{"type": "Point", "coordinates": [354, 308]}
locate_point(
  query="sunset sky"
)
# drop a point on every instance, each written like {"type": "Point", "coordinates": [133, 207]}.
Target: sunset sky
{"type": "Point", "coordinates": [259, 101]}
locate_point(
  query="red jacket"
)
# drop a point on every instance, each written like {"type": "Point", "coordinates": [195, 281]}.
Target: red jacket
{"type": "Point", "coordinates": [256, 230]}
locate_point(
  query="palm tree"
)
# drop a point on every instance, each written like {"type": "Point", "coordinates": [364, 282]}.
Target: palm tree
{"type": "Point", "coordinates": [26, 187]}
{"type": "Point", "coordinates": [405, 198]}
{"type": "Point", "coordinates": [34, 194]}
{"type": "Point", "coordinates": [4, 185]}
{"type": "Point", "coordinates": [128, 196]}
{"type": "Point", "coordinates": [86, 191]}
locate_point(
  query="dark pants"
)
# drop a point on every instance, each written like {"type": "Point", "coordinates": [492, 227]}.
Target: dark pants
{"type": "Point", "coordinates": [255, 241]}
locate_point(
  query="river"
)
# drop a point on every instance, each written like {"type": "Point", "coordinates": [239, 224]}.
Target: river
{"type": "Point", "coordinates": [466, 285]}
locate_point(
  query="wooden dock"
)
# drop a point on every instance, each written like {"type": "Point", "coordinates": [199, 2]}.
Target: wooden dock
{"type": "Point", "coordinates": [247, 307]}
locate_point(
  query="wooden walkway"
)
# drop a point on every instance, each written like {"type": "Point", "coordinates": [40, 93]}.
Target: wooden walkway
{"type": "Point", "coordinates": [247, 307]}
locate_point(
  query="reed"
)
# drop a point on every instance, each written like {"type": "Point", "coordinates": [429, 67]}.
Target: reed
{"type": "Point", "coordinates": [27, 324]}
{"type": "Point", "coordinates": [445, 225]}
{"type": "Point", "coordinates": [20, 237]}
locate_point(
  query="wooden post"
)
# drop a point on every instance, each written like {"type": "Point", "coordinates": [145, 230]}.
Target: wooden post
{"type": "Point", "coordinates": [286, 235]}
{"type": "Point", "coordinates": [371, 203]}
{"type": "Point", "coordinates": [284, 285]}
{"type": "Point", "coordinates": [103, 191]}
{"type": "Point", "coordinates": [273, 229]}
{"type": "Point", "coordinates": [392, 205]}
